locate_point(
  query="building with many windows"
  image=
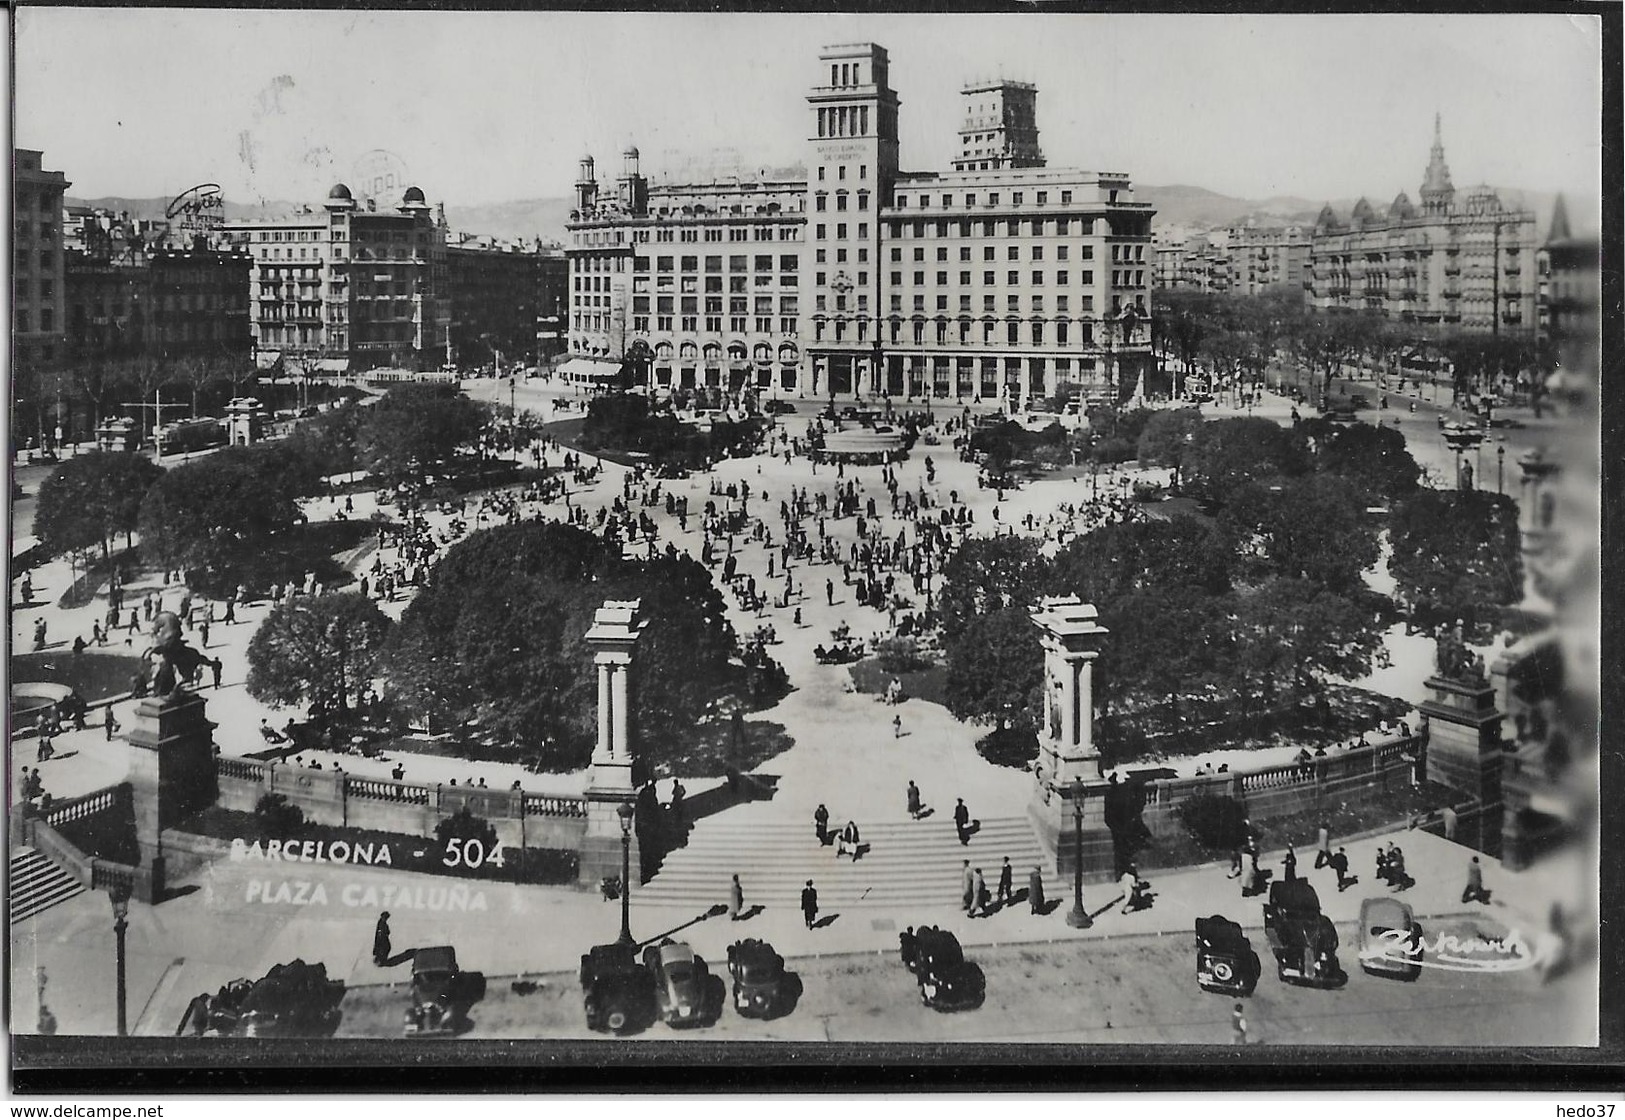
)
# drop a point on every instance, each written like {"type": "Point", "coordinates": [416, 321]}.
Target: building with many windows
{"type": "Point", "coordinates": [1001, 279]}
{"type": "Point", "coordinates": [1268, 258]}
{"type": "Point", "coordinates": [1468, 264]}
{"type": "Point", "coordinates": [500, 294]}
{"type": "Point", "coordinates": [355, 286]}
{"type": "Point", "coordinates": [39, 290]}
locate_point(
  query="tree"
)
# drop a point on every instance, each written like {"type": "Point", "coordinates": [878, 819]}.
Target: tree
{"type": "Point", "coordinates": [414, 429]}
{"type": "Point", "coordinates": [1121, 559]}
{"type": "Point", "coordinates": [996, 670]}
{"type": "Point", "coordinates": [1312, 528]}
{"type": "Point", "coordinates": [91, 498]}
{"type": "Point", "coordinates": [323, 445]}
{"type": "Point", "coordinates": [1456, 555]}
{"type": "Point", "coordinates": [1374, 459]}
{"type": "Point", "coordinates": [1168, 436]}
{"type": "Point", "coordinates": [323, 649]}
{"type": "Point", "coordinates": [203, 514]}
{"type": "Point", "coordinates": [496, 639]}
{"type": "Point", "coordinates": [989, 574]}
{"type": "Point", "coordinates": [1295, 635]}
{"type": "Point", "coordinates": [1228, 453]}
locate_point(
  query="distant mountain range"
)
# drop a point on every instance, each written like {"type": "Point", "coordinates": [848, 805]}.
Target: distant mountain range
{"type": "Point", "coordinates": [1184, 206]}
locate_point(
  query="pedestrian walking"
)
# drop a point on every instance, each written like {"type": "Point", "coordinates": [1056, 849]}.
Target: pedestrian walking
{"type": "Point", "coordinates": [1323, 846]}
{"type": "Point", "coordinates": [135, 624]}
{"type": "Point", "coordinates": [979, 899]}
{"type": "Point", "coordinates": [203, 633]}
{"type": "Point", "coordinates": [231, 611]}
{"type": "Point", "coordinates": [1340, 864]}
{"type": "Point", "coordinates": [1035, 889]}
{"type": "Point", "coordinates": [962, 821]}
{"type": "Point", "coordinates": [913, 800]}
{"type": "Point", "coordinates": [829, 591]}
{"type": "Point", "coordinates": [109, 724]}
{"type": "Point", "coordinates": [1290, 865]}
{"type": "Point", "coordinates": [1448, 815]}
{"type": "Point", "coordinates": [897, 726]}
{"type": "Point", "coordinates": [1006, 882]}
{"type": "Point", "coordinates": [39, 633]}
{"type": "Point", "coordinates": [821, 824]}
{"type": "Point", "coordinates": [1238, 1025]}
{"type": "Point", "coordinates": [736, 899]}
{"type": "Point", "coordinates": [215, 666]}
{"type": "Point", "coordinates": [809, 903]}
{"type": "Point", "coordinates": [967, 886]}
{"type": "Point", "coordinates": [1475, 891]}
{"type": "Point", "coordinates": [380, 939]}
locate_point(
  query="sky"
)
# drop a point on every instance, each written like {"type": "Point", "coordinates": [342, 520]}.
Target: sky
{"type": "Point", "coordinates": [480, 108]}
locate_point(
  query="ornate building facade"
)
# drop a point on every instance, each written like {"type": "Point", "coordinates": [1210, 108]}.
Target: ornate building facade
{"type": "Point", "coordinates": [1468, 264]}
{"type": "Point", "coordinates": [1001, 279]}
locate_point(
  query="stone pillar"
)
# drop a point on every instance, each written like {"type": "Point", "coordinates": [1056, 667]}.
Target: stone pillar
{"type": "Point", "coordinates": [172, 772]}
{"type": "Point", "coordinates": [1464, 747]}
{"type": "Point", "coordinates": [1066, 739]}
{"type": "Point", "coordinates": [611, 781]}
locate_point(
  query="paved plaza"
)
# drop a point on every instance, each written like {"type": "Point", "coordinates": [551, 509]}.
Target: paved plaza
{"type": "Point", "coordinates": [237, 919]}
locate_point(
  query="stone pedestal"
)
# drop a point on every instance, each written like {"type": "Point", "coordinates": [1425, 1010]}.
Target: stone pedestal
{"type": "Point", "coordinates": [1464, 745]}
{"type": "Point", "coordinates": [1071, 637]}
{"type": "Point", "coordinates": [613, 779]}
{"type": "Point", "coordinates": [172, 772]}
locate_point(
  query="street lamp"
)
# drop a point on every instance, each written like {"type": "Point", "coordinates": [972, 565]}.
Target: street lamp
{"type": "Point", "coordinates": [119, 895]}
{"type": "Point", "coordinates": [625, 812]}
{"type": "Point", "coordinates": [1500, 463]}
{"type": "Point", "coordinates": [1078, 918]}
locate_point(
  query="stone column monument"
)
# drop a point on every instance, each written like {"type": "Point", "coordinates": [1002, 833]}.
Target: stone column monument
{"type": "Point", "coordinates": [1072, 638]}
{"type": "Point", "coordinates": [1464, 747]}
{"type": "Point", "coordinates": [611, 781]}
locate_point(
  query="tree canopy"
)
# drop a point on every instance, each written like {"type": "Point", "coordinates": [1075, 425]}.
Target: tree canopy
{"type": "Point", "coordinates": [1456, 555]}
{"type": "Point", "coordinates": [495, 639]}
{"type": "Point", "coordinates": [201, 514]}
{"type": "Point", "coordinates": [987, 574]}
{"type": "Point", "coordinates": [1228, 453]}
{"type": "Point", "coordinates": [1374, 459]}
{"type": "Point", "coordinates": [91, 498]}
{"type": "Point", "coordinates": [414, 429]}
{"type": "Point", "coordinates": [996, 670]}
{"type": "Point", "coordinates": [323, 650]}
{"type": "Point", "coordinates": [1311, 528]}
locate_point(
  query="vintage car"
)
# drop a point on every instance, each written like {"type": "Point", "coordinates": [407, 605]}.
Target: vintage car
{"type": "Point", "coordinates": [758, 978]}
{"type": "Point", "coordinates": [948, 982]}
{"type": "Point", "coordinates": [442, 993]}
{"type": "Point", "coordinates": [1303, 940]}
{"type": "Point", "coordinates": [293, 1000]}
{"type": "Point", "coordinates": [681, 979]}
{"type": "Point", "coordinates": [618, 993]}
{"type": "Point", "coordinates": [1225, 961]}
{"type": "Point", "coordinates": [1390, 939]}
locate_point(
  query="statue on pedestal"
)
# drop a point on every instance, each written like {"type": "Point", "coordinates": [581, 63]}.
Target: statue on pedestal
{"type": "Point", "coordinates": [1453, 660]}
{"type": "Point", "coordinates": [170, 662]}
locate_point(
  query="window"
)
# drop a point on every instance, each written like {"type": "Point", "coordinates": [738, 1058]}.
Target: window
{"type": "Point", "coordinates": [820, 173]}
{"type": "Point", "coordinates": [964, 252]}
{"type": "Point", "coordinates": [1066, 197]}
{"type": "Point", "coordinates": [964, 277]}
{"type": "Point", "coordinates": [1012, 302]}
{"type": "Point", "coordinates": [1013, 252]}
{"type": "Point", "coordinates": [987, 278]}
{"type": "Point", "coordinates": [1088, 254]}
{"type": "Point", "coordinates": [1038, 252]}
{"type": "Point", "coordinates": [1013, 227]}
{"type": "Point", "coordinates": [863, 200]}
{"type": "Point", "coordinates": [1038, 333]}
{"type": "Point", "coordinates": [1043, 198]}
{"type": "Point", "coordinates": [840, 232]}
{"type": "Point", "coordinates": [988, 254]}
{"type": "Point", "coordinates": [840, 201]}
{"type": "Point", "coordinates": [993, 200]}
{"type": "Point", "coordinates": [736, 263]}
{"type": "Point", "coordinates": [970, 200]}
{"type": "Point", "coordinates": [690, 323]}
{"type": "Point", "coordinates": [1061, 278]}
{"type": "Point", "coordinates": [919, 255]}
{"type": "Point", "coordinates": [863, 256]}
{"type": "Point", "coordinates": [1012, 332]}
{"type": "Point", "coordinates": [840, 172]}
{"type": "Point", "coordinates": [691, 264]}
{"type": "Point", "coordinates": [947, 200]}
{"type": "Point", "coordinates": [942, 253]}
{"type": "Point", "coordinates": [896, 255]}
{"type": "Point", "coordinates": [664, 264]}
{"type": "Point", "coordinates": [819, 231]}
{"type": "Point", "coordinates": [1038, 276]}
{"type": "Point", "coordinates": [897, 279]}
{"type": "Point", "coordinates": [1061, 252]}
{"type": "Point", "coordinates": [1060, 332]}
{"type": "Point", "coordinates": [919, 277]}
{"type": "Point", "coordinates": [1015, 199]}
{"type": "Point", "coordinates": [1061, 303]}
{"type": "Point", "coordinates": [820, 256]}
{"type": "Point", "coordinates": [819, 279]}
{"type": "Point", "coordinates": [1086, 277]}
{"type": "Point", "coordinates": [1013, 278]}
{"type": "Point", "coordinates": [942, 278]}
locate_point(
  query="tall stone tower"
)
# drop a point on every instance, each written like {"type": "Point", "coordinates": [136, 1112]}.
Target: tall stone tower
{"type": "Point", "coordinates": [850, 170]}
{"type": "Point", "coordinates": [1000, 128]}
{"type": "Point", "coordinates": [1438, 195]}
{"type": "Point", "coordinates": [613, 779]}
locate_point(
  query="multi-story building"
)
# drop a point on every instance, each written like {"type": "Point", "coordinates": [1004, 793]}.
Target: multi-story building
{"type": "Point", "coordinates": [1001, 279]}
{"type": "Point", "coordinates": [496, 293]}
{"type": "Point", "coordinates": [1469, 265]}
{"type": "Point", "coordinates": [39, 288]}
{"type": "Point", "coordinates": [1269, 259]}
{"type": "Point", "coordinates": [353, 287]}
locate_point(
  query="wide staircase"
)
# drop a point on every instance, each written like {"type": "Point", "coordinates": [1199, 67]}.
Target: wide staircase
{"type": "Point", "coordinates": [37, 884]}
{"type": "Point", "coordinates": [915, 863]}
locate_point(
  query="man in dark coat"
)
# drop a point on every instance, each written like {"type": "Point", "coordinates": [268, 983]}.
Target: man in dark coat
{"type": "Point", "coordinates": [962, 821]}
{"type": "Point", "coordinates": [380, 939]}
{"type": "Point", "coordinates": [1475, 891]}
{"type": "Point", "coordinates": [821, 824]}
{"type": "Point", "coordinates": [1006, 882]}
{"type": "Point", "coordinates": [1340, 864]}
{"type": "Point", "coordinates": [1035, 890]}
{"type": "Point", "coordinates": [809, 903]}
{"type": "Point", "coordinates": [1290, 864]}
{"type": "Point", "coordinates": [914, 804]}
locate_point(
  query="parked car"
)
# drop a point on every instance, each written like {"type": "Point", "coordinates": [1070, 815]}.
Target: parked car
{"type": "Point", "coordinates": [779, 408]}
{"type": "Point", "coordinates": [293, 1000]}
{"type": "Point", "coordinates": [442, 993]}
{"type": "Point", "coordinates": [758, 978]}
{"type": "Point", "coordinates": [681, 979]}
{"type": "Point", "coordinates": [1225, 961]}
{"type": "Point", "coordinates": [618, 993]}
{"type": "Point", "coordinates": [1390, 939]}
{"type": "Point", "coordinates": [1303, 940]}
{"type": "Point", "coordinates": [948, 982]}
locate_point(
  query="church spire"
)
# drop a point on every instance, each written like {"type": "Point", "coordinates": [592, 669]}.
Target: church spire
{"type": "Point", "coordinates": [1560, 222]}
{"type": "Point", "coordinates": [1437, 193]}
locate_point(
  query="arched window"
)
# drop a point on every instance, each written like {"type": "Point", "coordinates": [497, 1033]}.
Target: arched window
{"type": "Point", "coordinates": [736, 351]}
{"type": "Point", "coordinates": [713, 354]}
{"type": "Point", "coordinates": [689, 351]}
{"type": "Point", "coordinates": [663, 352]}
